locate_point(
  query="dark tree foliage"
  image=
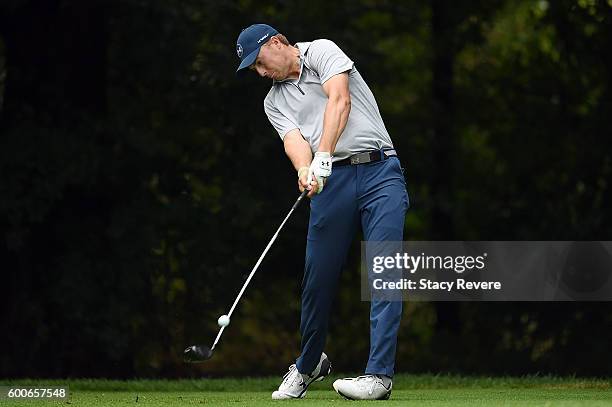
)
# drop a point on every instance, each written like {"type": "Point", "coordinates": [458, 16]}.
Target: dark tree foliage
{"type": "Point", "coordinates": [141, 179]}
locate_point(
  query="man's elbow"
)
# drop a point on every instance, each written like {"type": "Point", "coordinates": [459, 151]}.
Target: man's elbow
{"type": "Point", "coordinates": [347, 106]}
{"type": "Point", "coordinates": [343, 102]}
{"type": "Point", "coordinates": [347, 103]}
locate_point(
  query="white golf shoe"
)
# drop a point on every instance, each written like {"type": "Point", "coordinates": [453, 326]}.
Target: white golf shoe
{"type": "Point", "coordinates": [295, 384]}
{"type": "Point", "coordinates": [368, 387]}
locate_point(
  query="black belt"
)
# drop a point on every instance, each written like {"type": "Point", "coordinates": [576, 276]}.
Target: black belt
{"type": "Point", "coordinates": [366, 157]}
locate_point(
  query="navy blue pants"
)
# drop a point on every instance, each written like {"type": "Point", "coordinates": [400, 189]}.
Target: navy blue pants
{"type": "Point", "coordinates": [374, 197]}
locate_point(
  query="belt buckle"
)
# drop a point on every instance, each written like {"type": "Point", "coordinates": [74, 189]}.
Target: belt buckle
{"type": "Point", "coordinates": [360, 158]}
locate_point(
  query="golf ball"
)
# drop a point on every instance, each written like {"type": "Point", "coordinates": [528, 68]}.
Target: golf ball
{"type": "Point", "coordinates": [223, 320]}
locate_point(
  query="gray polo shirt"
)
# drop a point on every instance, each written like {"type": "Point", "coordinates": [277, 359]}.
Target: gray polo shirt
{"type": "Point", "coordinates": [300, 104]}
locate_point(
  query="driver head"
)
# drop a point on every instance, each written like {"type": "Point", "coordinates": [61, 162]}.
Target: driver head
{"type": "Point", "coordinates": [195, 354]}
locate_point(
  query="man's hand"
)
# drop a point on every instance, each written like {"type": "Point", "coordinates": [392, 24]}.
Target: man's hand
{"type": "Point", "coordinates": [304, 184]}
{"type": "Point", "coordinates": [320, 169]}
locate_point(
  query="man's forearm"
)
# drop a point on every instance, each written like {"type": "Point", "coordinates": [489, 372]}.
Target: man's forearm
{"type": "Point", "coordinates": [298, 150]}
{"type": "Point", "coordinates": [334, 121]}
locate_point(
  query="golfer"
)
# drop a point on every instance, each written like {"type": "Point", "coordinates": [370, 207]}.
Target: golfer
{"type": "Point", "coordinates": [333, 133]}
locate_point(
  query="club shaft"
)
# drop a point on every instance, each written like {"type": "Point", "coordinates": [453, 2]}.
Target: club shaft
{"type": "Point", "coordinates": [248, 280]}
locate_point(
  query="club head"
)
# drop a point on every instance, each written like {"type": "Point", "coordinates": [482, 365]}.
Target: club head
{"type": "Point", "coordinates": [197, 353]}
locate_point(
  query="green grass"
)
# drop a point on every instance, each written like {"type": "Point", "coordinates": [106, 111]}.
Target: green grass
{"type": "Point", "coordinates": [411, 390]}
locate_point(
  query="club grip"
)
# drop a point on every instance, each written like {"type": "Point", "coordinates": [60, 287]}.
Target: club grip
{"type": "Point", "coordinates": [297, 202]}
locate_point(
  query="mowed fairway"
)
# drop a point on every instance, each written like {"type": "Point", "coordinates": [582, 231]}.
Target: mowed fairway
{"type": "Point", "coordinates": [416, 390]}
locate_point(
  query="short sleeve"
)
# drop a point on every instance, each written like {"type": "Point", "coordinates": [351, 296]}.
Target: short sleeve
{"type": "Point", "coordinates": [327, 59]}
{"type": "Point", "coordinates": [278, 120]}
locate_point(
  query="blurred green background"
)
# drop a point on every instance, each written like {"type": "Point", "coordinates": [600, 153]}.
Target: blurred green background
{"type": "Point", "coordinates": [141, 180]}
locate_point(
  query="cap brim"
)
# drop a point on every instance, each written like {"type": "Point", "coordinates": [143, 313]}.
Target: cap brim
{"type": "Point", "coordinates": [247, 61]}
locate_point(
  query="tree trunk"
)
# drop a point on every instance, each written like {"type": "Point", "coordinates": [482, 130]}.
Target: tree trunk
{"type": "Point", "coordinates": [443, 33]}
{"type": "Point", "coordinates": [442, 228]}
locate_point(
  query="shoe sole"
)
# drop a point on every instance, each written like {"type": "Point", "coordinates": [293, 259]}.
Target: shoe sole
{"type": "Point", "coordinates": [325, 370]}
{"type": "Point", "coordinates": [323, 373]}
{"type": "Point", "coordinates": [301, 396]}
{"type": "Point", "coordinates": [386, 397]}
{"type": "Point", "coordinates": [349, 398]}
{"type": "Point", "coordinates": [344, 395]}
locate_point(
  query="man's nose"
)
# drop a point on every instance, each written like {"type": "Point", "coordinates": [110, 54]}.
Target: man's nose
{"type": "Point", "coordinates": [260, 71]}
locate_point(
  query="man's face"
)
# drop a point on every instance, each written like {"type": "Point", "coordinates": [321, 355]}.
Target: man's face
{"type": "Point", "coordinates": [272, 62]}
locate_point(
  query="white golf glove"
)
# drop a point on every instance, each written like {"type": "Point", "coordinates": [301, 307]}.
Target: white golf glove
{"type": "Point", "coordinates": [320, 169]}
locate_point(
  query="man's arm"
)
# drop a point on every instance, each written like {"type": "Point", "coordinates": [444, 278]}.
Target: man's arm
{"type": "Point", "coordinates": [297, 149]}
{"type": "Point", "coordinates": [299, 152]}
{"type": "Point", "coordinates": [336, 111]}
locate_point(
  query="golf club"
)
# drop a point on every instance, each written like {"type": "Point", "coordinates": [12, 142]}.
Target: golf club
{"type": "Point", "coordinates": [200, 353]}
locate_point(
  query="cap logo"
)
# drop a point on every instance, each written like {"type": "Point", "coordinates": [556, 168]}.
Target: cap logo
{"type": "Point", "coordinates": [262, 38]}
{"type": "Point", "coordinates": [239, 50]}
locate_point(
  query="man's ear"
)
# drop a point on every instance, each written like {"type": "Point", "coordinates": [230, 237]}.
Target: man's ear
{"type": "Point", "coordinates": [275, 42]}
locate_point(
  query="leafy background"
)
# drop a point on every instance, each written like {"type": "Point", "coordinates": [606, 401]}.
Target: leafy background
{"type": "Point", "coordinates": [141, 179]}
